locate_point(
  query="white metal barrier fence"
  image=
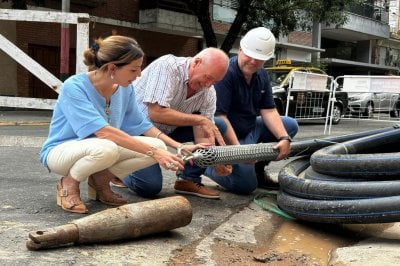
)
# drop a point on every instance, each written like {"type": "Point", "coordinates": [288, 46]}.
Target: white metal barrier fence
{"type": "Point", "coordinates": [82, 42]}
{"type": "Point", "coordinates": [311, 96]}
{"type": "Point", "coordinates": [81, 20]}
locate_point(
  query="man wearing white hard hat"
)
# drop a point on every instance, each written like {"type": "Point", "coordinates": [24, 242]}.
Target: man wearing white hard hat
{"type": "Point", "coordinates": [245, 102]}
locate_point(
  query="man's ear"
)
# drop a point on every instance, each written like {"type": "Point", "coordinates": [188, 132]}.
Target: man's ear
{"type": "Point", "coordinates": [197, 61]}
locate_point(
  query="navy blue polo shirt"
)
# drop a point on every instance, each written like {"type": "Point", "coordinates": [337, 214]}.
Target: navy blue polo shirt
{"type": "Point", "coordinates": [241, 102]}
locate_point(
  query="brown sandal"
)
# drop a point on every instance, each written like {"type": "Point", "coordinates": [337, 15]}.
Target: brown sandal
{"type": "Point", "coordinates": [101, 191]}
{"type": "Point", "coordinates": [73, 204]}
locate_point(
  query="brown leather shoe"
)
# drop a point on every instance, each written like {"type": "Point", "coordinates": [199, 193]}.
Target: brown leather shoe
{"type": "Point", "coordinates": [72, 203]}
{"type": "Point", "coordinates": [100, 190]}
{"type": "Point", "coordinates": [116, 182]}
{"type": "Point", "coordinates": [197, 189]}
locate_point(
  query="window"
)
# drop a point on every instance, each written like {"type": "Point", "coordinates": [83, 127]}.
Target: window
{"type": "Point", "coordinates": [225, 10]}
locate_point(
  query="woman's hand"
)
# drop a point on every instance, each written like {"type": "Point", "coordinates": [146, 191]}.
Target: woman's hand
{"type": "Point", "coordinates": [168, 161]}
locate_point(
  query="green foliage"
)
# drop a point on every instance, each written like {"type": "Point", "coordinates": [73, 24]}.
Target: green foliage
{"type": "Point", "coordinates": [283, 17]}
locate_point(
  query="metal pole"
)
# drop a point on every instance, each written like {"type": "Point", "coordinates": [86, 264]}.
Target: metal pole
{"type": "Point", "coordinates": [64, 46]}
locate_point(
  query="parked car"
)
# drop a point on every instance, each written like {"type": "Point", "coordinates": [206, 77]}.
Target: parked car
{"type": "Point", "coordinates": [315, 103]}
{"type": "Point", "coordinates": [366, 104]}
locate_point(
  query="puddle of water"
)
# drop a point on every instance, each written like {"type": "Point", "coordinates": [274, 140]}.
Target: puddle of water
{"type": "Point", "coordinates": [313, 240]}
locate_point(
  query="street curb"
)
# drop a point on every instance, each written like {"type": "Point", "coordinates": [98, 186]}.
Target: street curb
{"type": "Point", "coordinates": [24, 123]}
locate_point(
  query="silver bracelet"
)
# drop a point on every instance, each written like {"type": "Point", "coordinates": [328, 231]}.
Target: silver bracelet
{"type": "Point", "coordinates": [179, 149]}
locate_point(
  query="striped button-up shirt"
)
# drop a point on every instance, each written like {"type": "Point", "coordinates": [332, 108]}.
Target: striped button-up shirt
{"type": "Point", "coordinates": [164, 82]}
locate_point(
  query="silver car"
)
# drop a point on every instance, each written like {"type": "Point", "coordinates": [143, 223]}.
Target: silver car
{"type": "Point", "coordinates": [366, 104]}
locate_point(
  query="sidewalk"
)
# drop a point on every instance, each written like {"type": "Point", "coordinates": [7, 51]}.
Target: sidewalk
{"type": "Point", "coordinates": [34, 118]}
{"type": "Point", "coordinates": [230, 231]}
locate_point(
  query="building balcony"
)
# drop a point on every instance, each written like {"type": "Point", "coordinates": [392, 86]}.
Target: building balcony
{"type": "Point", "coordinates": [358, 28]}
{"type": "Point", "coordinates": [171, 22]}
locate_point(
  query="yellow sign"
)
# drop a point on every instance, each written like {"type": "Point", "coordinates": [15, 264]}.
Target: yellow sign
{"type": "Point", "coordinates": [283, 62]}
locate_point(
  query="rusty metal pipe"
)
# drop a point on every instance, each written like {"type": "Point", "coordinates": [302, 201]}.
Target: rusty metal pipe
{"type": "Point", "coordinates": [124, 222]}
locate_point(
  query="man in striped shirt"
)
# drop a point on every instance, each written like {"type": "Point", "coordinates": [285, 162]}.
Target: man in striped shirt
{"type": "Point", "coordinates": [178, 96]}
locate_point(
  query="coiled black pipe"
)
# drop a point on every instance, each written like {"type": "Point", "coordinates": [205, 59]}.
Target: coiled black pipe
{"type": "Point", "coordinates": [350, 160]}
{"type": "Point", "coordinates": [294, 181]}
{"type": "Point", "coordinates": [378, 210]}
{"type": "Point", "coordinates": [349, 184]}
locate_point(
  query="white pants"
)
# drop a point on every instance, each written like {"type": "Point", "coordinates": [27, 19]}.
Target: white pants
{"type": "Point", "coordinates": [82, 158]}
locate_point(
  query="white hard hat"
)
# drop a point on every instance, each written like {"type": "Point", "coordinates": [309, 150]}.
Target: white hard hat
{"type": "Point", "coordinates": [258, 43]}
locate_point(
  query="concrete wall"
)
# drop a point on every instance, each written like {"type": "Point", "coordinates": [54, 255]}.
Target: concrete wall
{"type": "Point", "coordinates": [300, 56]}
{"type": "Point", "coordinates": [371, 27]}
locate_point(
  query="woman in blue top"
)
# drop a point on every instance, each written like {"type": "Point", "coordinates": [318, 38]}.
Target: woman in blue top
{"type": "Point", "coordinates": [96, 128]}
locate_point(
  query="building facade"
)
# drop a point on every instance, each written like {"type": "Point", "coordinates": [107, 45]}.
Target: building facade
{"type": "Point", "coordinates": [365, 45]}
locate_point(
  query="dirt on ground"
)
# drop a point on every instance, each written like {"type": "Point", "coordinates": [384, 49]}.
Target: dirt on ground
{"type": "Point", "coordinates": [279, 242]}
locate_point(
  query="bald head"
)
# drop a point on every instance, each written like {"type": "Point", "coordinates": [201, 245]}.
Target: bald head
{"type": "Point", "coordinates": [206, 68]}
{"type": "Point", "coordinates": [215, 59]}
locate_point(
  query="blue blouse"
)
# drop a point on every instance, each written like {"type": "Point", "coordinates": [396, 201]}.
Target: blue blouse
{"type": "Point", "coordinates": [80, 111]}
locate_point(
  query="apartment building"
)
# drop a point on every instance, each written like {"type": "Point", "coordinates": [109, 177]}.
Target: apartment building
{"type": "Point", "coordinates": [364, 45]}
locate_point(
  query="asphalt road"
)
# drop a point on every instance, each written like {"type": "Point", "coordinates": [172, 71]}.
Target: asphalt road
{"type": "Point", "coordinates": [230, 231]}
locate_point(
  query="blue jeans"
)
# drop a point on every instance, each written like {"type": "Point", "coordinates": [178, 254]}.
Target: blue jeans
{"type": "Point", "coordinates": [147, 182]}
{"type": "Point", "coordinates": [243, 179]}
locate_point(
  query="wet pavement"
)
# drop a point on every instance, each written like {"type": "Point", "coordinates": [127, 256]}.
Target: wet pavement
{"type": "Point", "coordinates": [231, 231]}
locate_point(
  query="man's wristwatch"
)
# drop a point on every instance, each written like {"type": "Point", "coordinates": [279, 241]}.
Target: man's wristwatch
{"type": "Point", "coordinates": [285, 138]}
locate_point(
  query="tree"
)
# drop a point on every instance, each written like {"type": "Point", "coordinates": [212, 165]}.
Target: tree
{"type": "Point", "coordinates": [21, 4]}
{"type": "Point", "coordinates": [280, 16]}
